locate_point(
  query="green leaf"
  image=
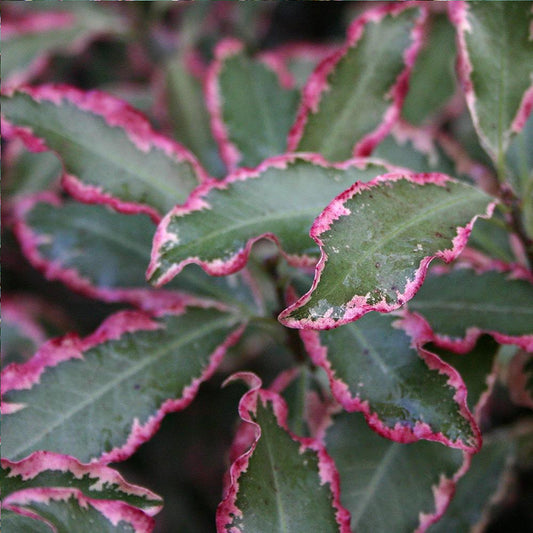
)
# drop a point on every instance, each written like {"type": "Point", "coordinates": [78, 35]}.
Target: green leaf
{"type": "Point", "coordinates": [12, 522]}
{"type": "Point", "coordinates": [188, 114]}
{"type": "Point", "coordinates": [281, 483]}
{"type": "Point", "coordinates": [476, 491]}
{"type": "Point", "coordinates": [454, 302]}
{"type": "Point", "coordinates": [406, 394]}
{"type": "Point", "coordinates": [377, 240]}
{"type": "Point", "coordinates": [519, 160]}
{"type": "Point", "coordinates": [423, 99]}
{"type": "Point", "coordinates": [495, 66]}
{"type": "Point", "coordinates": [31, 39]}
{"type": "Point", "coordinates": [388, 486]}
{"type": "Point", "coordinates": [352, 99]}
{"type": "Point", "coordinates": [109, 151]}
{"type": "Point", "coordinates": [103, 254]}
{"type": "Point", "coordinates": [106, 394]}
{"type": "Point", "coordinates": [221, 220]}
{"type": "Point", "coordinates": [252, 112]}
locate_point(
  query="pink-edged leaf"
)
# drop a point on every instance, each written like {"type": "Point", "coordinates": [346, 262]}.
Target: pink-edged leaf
{"type": "Point", "coordinates": [103, 396]}
{"type": "Point", "coordinates": [422, 101]}
{"type": "Point", "coordinates": [495, 66]}
{"type": "Point", "coordinates": [109, 151]}
{"type": "Point", "coordinates": [488, 482]}
{"type": "Point", "coordinates": [26, 323]}
{"type": "Point", "coordinates": [388, 486]}
{"type": "Point", "coordinates": [377, 240]}
{"type": "Point", "coordinates": [30, 36]}
{"type": "Point", "coordinates": [251, 112]}
{"type": "Point", "coordinates": [405, 392]}
{"type": "Point", "coordinates": [103, 254]}
{"type": "Point", "coordinates": [354, 96]}
{"type": "Point", "coordinates": [461, 305]}
{"type": "Point", "coordinates": [186, 109]}
{"type": "Point", "coordinates": [48, 478]}
{"type": "Point", "coordinates": [278, 481]}
{"type": "Point", "coordinates": [279, 200]}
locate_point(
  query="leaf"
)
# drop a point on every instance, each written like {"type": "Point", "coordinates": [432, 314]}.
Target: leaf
{"type": "Point", "coordinates": [477, 491]}
{"type": "Point", "coordinates": [13, 521]}
{"type": "Point", "coordinates": [377, 240]}
{"type": "Point", "coordinates": [388, 486]}
{"type": "Point", "coordinates": [519, 159]}
{"type": "Point", "coordinates": [109, 151]}
{"type": "Point", "coordinates": [354, 96]}
{"type": "Point", "coordinates": [30, 37]}
{"type": "Point", "coordinates": [103, 396]}
{"type": "Point", "coordinates": [520, 379]}
{"type": "Point", "coordinates": [280, 482]}
{"type": "Point", "coordinates": [103, 254]}
{"type": "Point", "coordinates": [495, 65]}
{"type": "Point", "coordinates": [406, 393]}
{"type": "Point", "coordinates": [44, 475]}
{"type": "Point", "coordinates": [218, 224]}
{"type": "Point", "coordinates": [423, 100]}
{"type": "Point", "coordinates": [251, 112]}
{"type": "Point", "coordinates": [461, 304]}
{"type": "Point", "coordinates": [188, 113]}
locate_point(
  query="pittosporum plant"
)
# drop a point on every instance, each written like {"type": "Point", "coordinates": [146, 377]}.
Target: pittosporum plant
{"type": "Point", "coordinates": [340, 232]}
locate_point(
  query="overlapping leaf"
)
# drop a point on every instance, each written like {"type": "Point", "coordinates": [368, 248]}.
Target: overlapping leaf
{"type": "Point", "coordinates": [103, 396]}
{"type": "Point", "coordinates": [251, 112]}
{"type": "Point", "coordinates": [278, 482]}
{"type": "Point", "coordinates": [354, 96]}
{"type": "Point", "coordinates": [109, 151]}
{"type": "Point", "coordinates": [220, 221]}
{"type": "Point", "coordinates": [406, 393]}
{"type": "Point", "coordinates": [461, 304]}
{"type": "Point", "coordinates": [103, 254]}
{"type": "Point", "coordinates": [492, 40]}
{"type": "Point", "coordinates": [44, 482]}
{"type": "Point", "coordinates": [377, 240]}
{"type": "Point", "coordinates": [388, 486]}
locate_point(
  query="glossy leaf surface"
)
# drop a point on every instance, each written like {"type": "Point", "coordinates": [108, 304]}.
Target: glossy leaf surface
{"type": "Point", "coordinates": [377, 240]}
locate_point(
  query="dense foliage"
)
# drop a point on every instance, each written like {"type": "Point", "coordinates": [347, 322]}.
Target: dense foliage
{"type": "Point", "coordinates": [283, 276]}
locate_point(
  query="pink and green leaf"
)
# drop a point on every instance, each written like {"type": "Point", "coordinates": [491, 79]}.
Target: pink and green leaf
{"type": "Point", "coordinates": [251, 111]}
{"type": "Point", "coordinates": [354, 96]}
{"type": "Point", "coordinates": [109, 151]}
{"type": "Point", "coordinates": [492, 40]}
{"type": "Point", "coordinates": [103, 396]}
{"type": "Point", "coordinates": [278, 481]}
{"type": "Point", "coordinates": [279, 200]}
{"type": "Point", "coordinates": [373, 469]}
{"type": "Point", "coordinates": [461, 305]}
{"type": "Point", "coordinates": [377, 240]}
{"type": "Point", "coordinates": [405, 392]}
{"type": "Point", "coordinates": [103, 254]}
{"type": "Point", "coordinates": [520, 378]}
{"type": "Point", "coordinates": [30, 36]}
{"type": "Point", "coordinates": [48, 473]}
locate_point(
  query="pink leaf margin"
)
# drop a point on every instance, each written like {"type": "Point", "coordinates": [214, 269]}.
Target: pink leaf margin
{"type": "Point", "coordinates": [102, 476]}
{"type": "Point", "coordinates": [399, 433]}
{"type": "Point", "coordinates": [458, 14]}
{"type": "Point", "coordinates": [197, 202]}
{"type": "Point", "coordinates": [317, 84]}
{"type": "Point", "coordinates": [358, 306]}
{"type": "Point", "coordinates": [247, 441]}
{"type": "Point", "coordinates": [116, 114]}
{"type": "Point", "coordinates": [148, 299]}
{"type": "Point", "coordinates": [70, 346]}
{"type": "Point", "coordinates": [114, 511]}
